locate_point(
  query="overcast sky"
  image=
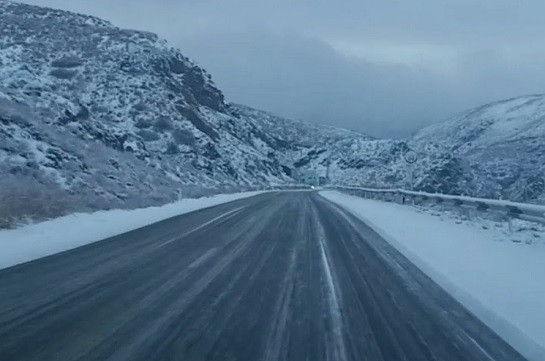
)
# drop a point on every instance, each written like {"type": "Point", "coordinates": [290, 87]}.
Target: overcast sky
{"type": "Point", "coordinates": [385, 67]}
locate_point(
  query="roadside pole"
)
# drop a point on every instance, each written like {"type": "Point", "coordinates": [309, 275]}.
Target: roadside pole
{"type": "Point", "coordinates": [410, 158]}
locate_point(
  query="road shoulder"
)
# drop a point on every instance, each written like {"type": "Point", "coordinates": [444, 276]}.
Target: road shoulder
{"type": "Point", "coordinates": [486, 276]}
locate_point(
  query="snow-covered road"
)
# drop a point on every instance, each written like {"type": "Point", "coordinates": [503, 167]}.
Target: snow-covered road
{"type": "Point", "coordinates": [496, 275]}
{"type": "Point", "coordinates": [30, 242]}
{"type": "Point", "coordinates": [280, 276]}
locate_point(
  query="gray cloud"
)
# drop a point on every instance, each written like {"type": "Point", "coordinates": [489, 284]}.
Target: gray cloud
{"type": "Point", "coordinates": [383, 67]}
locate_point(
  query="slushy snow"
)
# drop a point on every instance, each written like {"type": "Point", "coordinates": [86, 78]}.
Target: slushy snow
{"type": "Point", "coordinates": [497, 275]}
{"type": "Point", "coordinates": [38, 240]}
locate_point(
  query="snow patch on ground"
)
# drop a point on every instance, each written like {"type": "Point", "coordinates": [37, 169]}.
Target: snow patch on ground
{"type": "Point", "coordinates": [34, 241]}
{"type": "Point", "coordinates": [496, 274]}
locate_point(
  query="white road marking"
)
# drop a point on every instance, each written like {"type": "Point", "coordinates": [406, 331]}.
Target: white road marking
{"type": "Point", "coordinates": [339, 348]}
{"type": "Point", "coordinates": [484, 352]}
{"type": "Point", "coordinates": [224, 217]}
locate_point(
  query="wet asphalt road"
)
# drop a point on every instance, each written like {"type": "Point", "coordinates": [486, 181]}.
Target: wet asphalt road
{"type": "Point", "coordinates": [280, 276]}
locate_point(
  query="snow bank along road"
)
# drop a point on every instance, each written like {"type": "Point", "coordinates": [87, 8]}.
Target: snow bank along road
{"type": "Point", "coordinates": [279, 276]}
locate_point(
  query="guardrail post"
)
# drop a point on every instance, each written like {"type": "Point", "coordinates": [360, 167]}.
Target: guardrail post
{"type": "Point", "coordinates": [511, 230]}
{"type": "Point", "coordinates": [468, 212]}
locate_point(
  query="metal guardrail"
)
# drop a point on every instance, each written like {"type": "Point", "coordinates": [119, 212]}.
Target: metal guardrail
{"type": "Point", "coordinates": [294, 187]}
{"type": "Point", "coordinates": [528, 212]}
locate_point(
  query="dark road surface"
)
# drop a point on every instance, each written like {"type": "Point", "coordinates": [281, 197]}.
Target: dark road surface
{"type": "Point", "coordinates": [280, 276]}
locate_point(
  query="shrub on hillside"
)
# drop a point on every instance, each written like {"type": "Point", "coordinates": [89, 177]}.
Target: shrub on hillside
{"type": "Point", "coordinates": [163, 124]}
{"type": "Point", "coordinates": [183, 137]}
{"type": "Point", "coordinates": [24, 198]}
{"type": "Point", "coordinates": [63, 73]}
{"type": "Point", "coordinates": [148, 135]}
{"type": "Point", "coordinates": [68, 61]}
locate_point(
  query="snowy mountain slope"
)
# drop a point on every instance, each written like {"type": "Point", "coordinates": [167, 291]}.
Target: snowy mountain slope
{"type": "Point", "coordinates": [110, 117]}
{"type": "Point", "coordinates": [494, 151]}
{"type": "Point", "coordinates": [353, 157]}
{"type": "Point", "coordinates": [117, 118]}
{"type": "Point", "coordinates": [500, 147]}
{"type": "Point", "coordinates": [499, 122]}
{"type": "Point", "coordinates": [295, 132]}
{"type": "Point", "coordinates": [113, 114]}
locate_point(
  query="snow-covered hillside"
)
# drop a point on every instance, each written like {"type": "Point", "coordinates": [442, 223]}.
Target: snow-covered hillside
{"type": "Point", "coordinates": [357, 159]}
{"type": "Point", "coordinates": [113, 116]}
{"type": "Point", "coordinates": [494, 151]}
{"type": "Point", "coordinates": [116, 117]}
{"type": "Point", "coordinates": [109, 117]}
{"type": "Point", "coordinates": [93, 116]}
{"type": "Point", "coordinates": [498, 148]}
{"type": "Point", "coordinates": [352, 157]}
